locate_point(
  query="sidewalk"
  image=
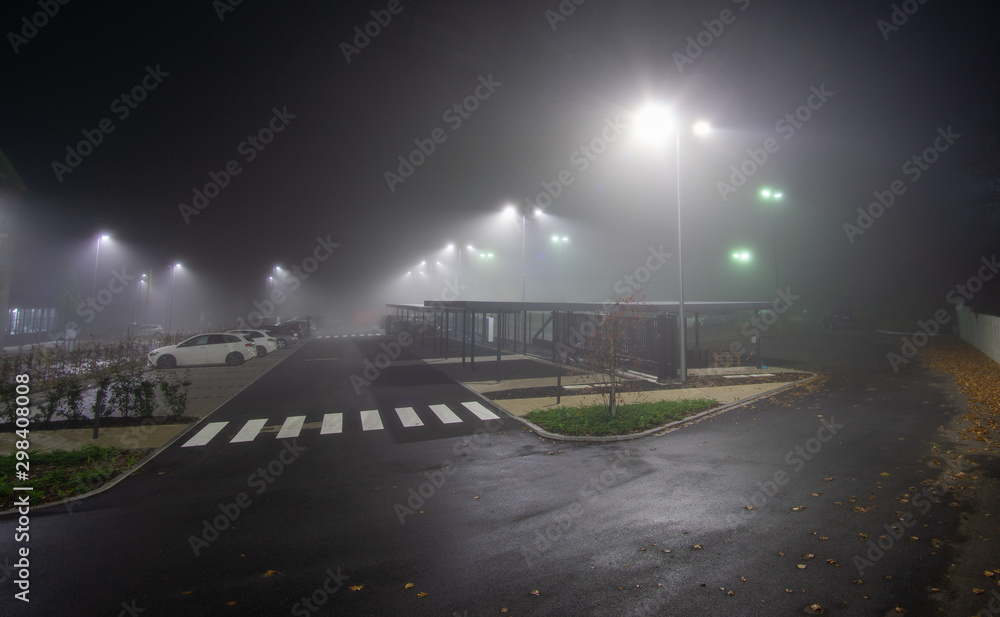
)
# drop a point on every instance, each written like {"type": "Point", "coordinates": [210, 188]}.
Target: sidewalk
{"type": "Point", "coordinates": [536, 373]}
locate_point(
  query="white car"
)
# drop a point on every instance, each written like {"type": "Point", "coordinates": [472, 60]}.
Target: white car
{"type": "Point", "coordinates": [210, 348]}
{"type": "Point", "coordinates": [264, 341]}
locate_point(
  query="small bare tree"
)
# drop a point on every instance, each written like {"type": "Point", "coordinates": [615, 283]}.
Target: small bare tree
{"type": "Point", "coordinates": [609, 352]}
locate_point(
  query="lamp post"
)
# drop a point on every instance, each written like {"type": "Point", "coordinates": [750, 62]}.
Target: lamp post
{"type": "Point", "coordinates": [170, 306]}
{"type": "Point", "coordinates": [769, 195]}
{"type": "Point", "coordinates": [512, 211]}
{"type": "Point", "coordinates": [656, 121]}
{"type": "Point", "coordinates": [138, 298]}
{"type": "Point", "coordinates": [559, 240]}
{"type": "Point", "coordinates": [460, 250]}
{"type": "Point", "coordinates": [93, 290]}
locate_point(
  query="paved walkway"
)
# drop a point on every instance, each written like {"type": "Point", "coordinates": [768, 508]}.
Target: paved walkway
{"type": "Point", "coordinates": [212, 386]}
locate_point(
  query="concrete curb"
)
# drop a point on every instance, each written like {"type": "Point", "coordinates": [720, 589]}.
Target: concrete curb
{"type": "Point", "coordinates": [666, 428]}
{"type": "Point", "coordinates": [120, 477]}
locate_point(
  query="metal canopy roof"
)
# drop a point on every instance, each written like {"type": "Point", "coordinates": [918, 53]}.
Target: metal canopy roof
{"type": "Point", "coordinates": [481, 306]}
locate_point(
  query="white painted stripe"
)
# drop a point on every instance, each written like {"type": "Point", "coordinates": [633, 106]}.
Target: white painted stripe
{"type": "Point", "coordinates": [249, 431]}
{"type": "Point", "coordinates": [481, 412]}
{"type": "Point", "coordinates": [370, 420]}
{"type": "Point", "coordinates": [332, 423]}
{"type": "Point", "coordinates": [408, 416]}
{"type": "Point", "coordinates": [291, 427]}
{"type": "Point", "coordinates": [205, 435]}
{"type": "Point", "coordinates": [447, 415]}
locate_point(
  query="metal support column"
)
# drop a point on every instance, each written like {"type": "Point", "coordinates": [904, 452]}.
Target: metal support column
{"type": "Point", "coordinates": [498, 339]}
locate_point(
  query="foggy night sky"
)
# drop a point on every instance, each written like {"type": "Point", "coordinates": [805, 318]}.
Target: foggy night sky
{"type": "Point", "coordinates": [324, 174]}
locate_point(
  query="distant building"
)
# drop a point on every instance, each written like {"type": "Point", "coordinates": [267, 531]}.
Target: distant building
{"type": "Point", "coordinates": [11, 189]}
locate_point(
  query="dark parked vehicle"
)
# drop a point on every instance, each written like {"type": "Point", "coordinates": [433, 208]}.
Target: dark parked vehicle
{"type": "Point", "coordinates": [840, 319]}
{"type": "Point", "coordinates": [301, 325]}
{"type": "Point", "coordinates": [283, 337]}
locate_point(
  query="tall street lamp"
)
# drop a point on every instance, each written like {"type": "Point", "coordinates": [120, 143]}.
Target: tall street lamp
{"type": "Point", "coordinates": [170, 306]}
{"type": "Point", "coordinates": [93, 290]}
{"type": "Point", "coordinates": [138, 298]}
{"type": "Point", "coordinates": [771, 195]}
{"type": "Point", "coordinates": [559, 240]}
{"type": "Point", "coordinates": [654, 122]}
{"type": "Point", "coordinates": [512, 212]}
{"type": "Point", "coordinates": [451, 247]}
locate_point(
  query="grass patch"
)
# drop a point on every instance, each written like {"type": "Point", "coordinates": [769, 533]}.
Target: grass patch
{"type": "Point", "coordinates": [59, 474]}
{"type": "Point", "coordinates": [595, 421]}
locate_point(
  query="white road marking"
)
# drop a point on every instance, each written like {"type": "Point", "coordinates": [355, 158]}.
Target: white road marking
{"type": "Point", "coordinates": [408, 416]}
{"type": "Point", "coordinates": [206, 434]}
{"type": "Point", "coordinates": [447, 415]}
{"type": "Point", "coordinates": [291, 427]}
{"type": "Point", "coordinates": [481, 412]}
{"type": "Point", "coordinates": [332, 423]}
{"type": "Point", "coordinates": [249, 431]}
{"type": "Point", "coordinates": [370, 420]}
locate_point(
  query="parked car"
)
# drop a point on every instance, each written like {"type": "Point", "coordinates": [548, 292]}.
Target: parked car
{"type": "Point", "coordinates": [839, 319]}
{"type": "Point", "coordinates": [308, 327]}
{"type": "Point", "coordinates": [298, 328]}
{"type": "Point", "coordinates": [281, 338]}
{"type": "Point", "coordinates": [265, 342]}
{"type": "Point", "coordinates": [145, 331]}
{"type": "Point", "coordinates": [282, 329]}
{"type": "Point", "coordinates": [209, 348]}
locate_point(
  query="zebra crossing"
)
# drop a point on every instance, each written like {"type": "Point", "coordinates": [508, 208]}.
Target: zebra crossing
{"type": "Point", "coordinates": [333, 423]}
{"type": "Point", "coordinates": [324, 336]}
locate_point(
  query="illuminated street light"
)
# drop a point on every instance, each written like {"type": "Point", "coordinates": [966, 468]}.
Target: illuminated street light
{"type": "Point", "coordinates": [138, 298]}
{"type": "Point", "coordinates": [170, 306]}
{"type": "Point", "coordinates": [93, 291]}
{"type": "Point", "coordinates": [654, 123]}
{"type": "Point", "coordinates": [451, 247]}
{"type": "Point", "coordinates": [512, 212]}
{"type": "Point", "coordinates": [770, 195]}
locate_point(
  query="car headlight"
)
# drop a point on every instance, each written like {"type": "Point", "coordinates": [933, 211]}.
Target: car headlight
{"type": "Point", "coordinates": [153, 353]}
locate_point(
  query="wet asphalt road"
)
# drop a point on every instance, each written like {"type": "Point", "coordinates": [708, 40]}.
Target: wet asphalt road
{"type": "Point", "coordinates": [481, 515]}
